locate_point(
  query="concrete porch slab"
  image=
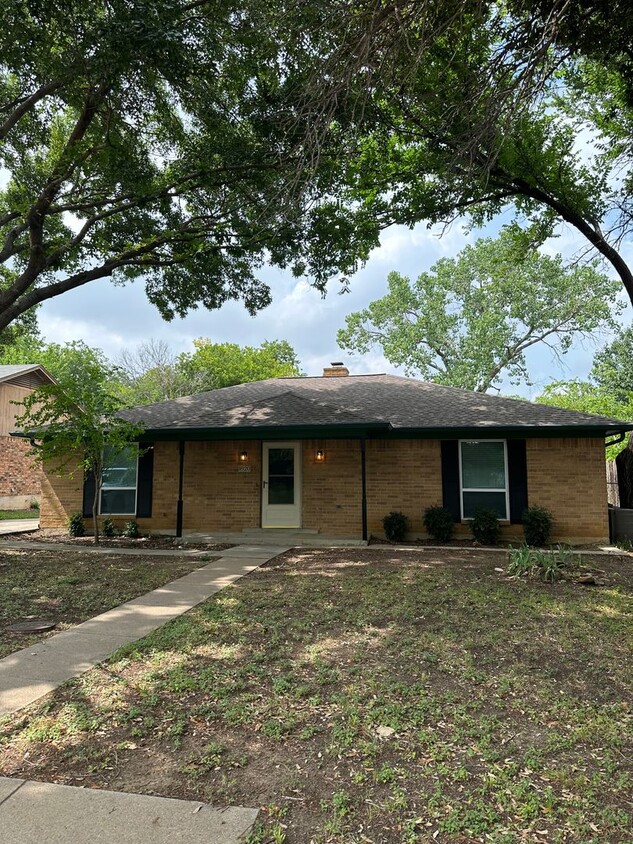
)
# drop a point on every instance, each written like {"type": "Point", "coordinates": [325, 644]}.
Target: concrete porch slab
{"type": "Point", "coordinates": [33, 812]}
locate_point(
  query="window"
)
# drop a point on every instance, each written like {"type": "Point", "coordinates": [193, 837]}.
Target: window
{"type": "Point", "coordinates": [118, 482]}
{"type": "Point", "coordinates": [483, 477]}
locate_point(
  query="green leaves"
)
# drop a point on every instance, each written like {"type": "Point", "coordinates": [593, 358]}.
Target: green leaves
{"type": "Point", "coordinates": [470, 320]}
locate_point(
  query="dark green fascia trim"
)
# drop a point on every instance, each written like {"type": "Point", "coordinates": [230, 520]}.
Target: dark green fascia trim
{"type": "Point", "coordinates": [343, 431]}
{"type": "Point", "coordinates": [510, 432]}
{"type": "Point", "coordinates": [382, 431]}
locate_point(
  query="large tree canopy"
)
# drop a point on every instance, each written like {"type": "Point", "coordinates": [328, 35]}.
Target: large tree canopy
{"type": "Point", "coordinates": [470, 320]}
{"type": "Point", "coordinates": [159, 139]}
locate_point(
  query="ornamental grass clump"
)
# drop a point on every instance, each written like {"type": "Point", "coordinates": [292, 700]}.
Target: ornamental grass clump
{"type": "Point", "coordinates": [550, 566]}
{"type": "Point", "coordinates": [438, 521]}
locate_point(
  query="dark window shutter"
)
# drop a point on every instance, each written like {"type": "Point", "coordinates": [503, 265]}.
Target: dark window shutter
{"type": "Point", "coordinates": [89, 494]}
{"type": "Point", "coordinates": [145, 481]}
{"type": "Point", "coordinates": [450, 478]}
{"type": "Point", "coordinates": [517, 471]}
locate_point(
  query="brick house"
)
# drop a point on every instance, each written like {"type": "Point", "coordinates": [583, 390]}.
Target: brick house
{"type": "Point", "coordinates": [336, 453]}
{"type": "Point", "coordinates": [20, 479]}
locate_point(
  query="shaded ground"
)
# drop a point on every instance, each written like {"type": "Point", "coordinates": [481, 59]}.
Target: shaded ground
{"type": "Point", "coordinates": [160, 543]}
{"type": "Point", "coordinates": [368, 696]}
{"type": "Point", "coordinates": [69, 587]}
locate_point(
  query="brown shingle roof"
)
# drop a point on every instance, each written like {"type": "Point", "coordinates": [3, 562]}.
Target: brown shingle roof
{"type": "Point", "coordinates": [365, 401]}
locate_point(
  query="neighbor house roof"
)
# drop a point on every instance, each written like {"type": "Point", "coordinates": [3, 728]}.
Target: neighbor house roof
{"type": "Point", "coordinates": [25, 375]}
{"type": "Point", "coordinates": [389, 404]}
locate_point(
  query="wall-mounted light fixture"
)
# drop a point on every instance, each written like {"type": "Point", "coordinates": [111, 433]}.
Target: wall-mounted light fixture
{"type": "Point", "coordinates": [319, 456]}
{"type": "Point", "coordinates": [243, 456]}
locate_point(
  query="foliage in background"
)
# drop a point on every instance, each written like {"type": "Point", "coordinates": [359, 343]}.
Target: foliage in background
{"type": "Point", "coordinates": [154, 373]}
{"type": "Point", "coordinates": [438, 521]}
{"type": "Point", "coordinates": [395, 525]}
{"type": "Point", "coordinates": [613, 367]}
{"type": "Point", "coordinates": [214, 365]}
{"type": "Point", "coordinates": [588, 398]}
{"type": "Point", "coordinates": [469, 321]}
{"type": "Point", "coordinates": [537, 525]}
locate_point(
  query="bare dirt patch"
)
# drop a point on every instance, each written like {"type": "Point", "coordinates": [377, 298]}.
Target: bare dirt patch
{"type": "Point", "coordinates": [365, 695]}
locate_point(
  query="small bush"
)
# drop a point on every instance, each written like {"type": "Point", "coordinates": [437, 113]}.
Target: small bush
{"type": "Point", "coordinates": [439, 523]}
{"type": "Point", "coordinates": [537, 525]}
{"type": "Point", "coordinates": [34, 505]}
{"type": "Point", "coordinates": [485, 526]}
{"type": "Point", "coordinates": [395, 525]}
{"type": "Point", "coordinates": [108, 528]}
{"type": "Point", "coordinates": [624, 545]}
{"type": "Point", "coordinates": [131, 529]}
{"type": "Point", "coordinates": [76, 525]}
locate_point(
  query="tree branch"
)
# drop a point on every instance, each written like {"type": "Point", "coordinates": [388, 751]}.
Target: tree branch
{"type": "Point", "coordinates": [26, 105]}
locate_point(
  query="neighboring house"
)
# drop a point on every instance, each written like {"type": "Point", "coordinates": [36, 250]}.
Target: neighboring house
{"type": "Point", "coordinates": [337, 453]}
{"type": "Point", "coordinates": [20, 478]}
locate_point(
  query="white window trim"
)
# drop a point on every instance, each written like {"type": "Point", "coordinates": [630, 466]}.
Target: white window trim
{"type": "Point", "coordinates": [135, 488]}
{"type": "Point", "coordinates": [473, 489]}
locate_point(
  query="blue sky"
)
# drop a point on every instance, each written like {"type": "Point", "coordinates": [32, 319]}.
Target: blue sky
{"type": "Point", "coordinates": [116, 317]}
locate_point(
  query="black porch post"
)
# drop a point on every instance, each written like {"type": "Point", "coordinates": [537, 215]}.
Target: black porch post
{"type": "Point", "coordinates": [181, 472]}
{"type": "Point", "coordinates": [363, 481]}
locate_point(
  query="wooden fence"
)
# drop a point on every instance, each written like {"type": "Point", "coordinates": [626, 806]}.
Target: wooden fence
{"type": "Point", "coordinates": [613, 493]}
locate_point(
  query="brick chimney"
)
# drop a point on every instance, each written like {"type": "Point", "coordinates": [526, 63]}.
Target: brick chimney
{"type": "Point", "coordinates": [335, 370]}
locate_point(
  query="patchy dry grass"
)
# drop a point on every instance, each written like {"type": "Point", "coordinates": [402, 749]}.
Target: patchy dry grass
{"type": "Point", "coordinates": [368, 696]}
{"type": "Point", "coordinates": [68, 587]}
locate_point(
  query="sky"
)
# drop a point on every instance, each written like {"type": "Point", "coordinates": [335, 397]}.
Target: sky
{"type": "Point", "coordinates": [117, 317]}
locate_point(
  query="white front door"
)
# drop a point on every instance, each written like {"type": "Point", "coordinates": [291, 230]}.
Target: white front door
{"type": "Point", "coordinates": [281, 481]}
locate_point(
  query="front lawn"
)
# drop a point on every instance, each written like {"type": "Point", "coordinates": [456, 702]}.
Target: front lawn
{"type": "Point", "coordinates": [70, 586]}
{"type": "Point", "coordinates": [32, 513]}
{"type": "Point", "coordinates": [368, 696]}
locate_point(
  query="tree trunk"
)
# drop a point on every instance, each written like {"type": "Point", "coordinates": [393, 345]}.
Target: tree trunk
{"type": "Point", "coordinates": [95, 502]}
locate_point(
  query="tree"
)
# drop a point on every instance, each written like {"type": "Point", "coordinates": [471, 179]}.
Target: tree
{"type": "Point", "coordinates": [470, 320]}
{"type": "Point", "coordinates": [214, 365]}
{"type": "Point", "coordinates": [613, 366]}
{"type": "Point", "coordinates": [65, 362]}
{"type": "Point", "coordinates": [161, 140]}
{"type": "Point", "coordinates": [150, 373]}
{"type": "Point", "coordinates": [74, 422]}
{"type": "Point", "coordinates": [589, 398]}
{"type": "Point", "coordinates": [479, 108]}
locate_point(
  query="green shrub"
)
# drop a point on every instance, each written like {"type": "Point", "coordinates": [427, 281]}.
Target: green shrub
{"type": "Point", "coordinates": [439, 523]}
{"type": "Point", "coordinates": [395, 526]}
{"type": "Point", "coordinates": [537, 525]}
{"type": "Point", "coordinates": [76, 525]}
{"type": "Point", "coordinates": [485, 527]}
{"type": "Point", "coordinates": [108, 528]}
{"type": "Point", "coordinates": [131, 529]}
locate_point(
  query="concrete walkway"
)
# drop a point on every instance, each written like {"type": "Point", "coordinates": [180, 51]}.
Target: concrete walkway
{"type": "Point", "coordinates": [42, 813]}
{"type": "Point", "coordinates": [33, 812]}
{"type": "Point", "coordinates": [18, 525]}
{"type": "Point", "coordinates": [29, 674]}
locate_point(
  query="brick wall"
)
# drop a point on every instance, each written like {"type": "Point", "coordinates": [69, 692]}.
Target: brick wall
{"type": "Point", "coordinates": [403, 475]}
{"type": "Point", "coordinates": [62, 495]}
{"type": "Point", "coordinates": [20, 476]}
{"type": "Point", "coordinates": [567, 476]}
{"type": "Point", "coordinates": [332, 488]}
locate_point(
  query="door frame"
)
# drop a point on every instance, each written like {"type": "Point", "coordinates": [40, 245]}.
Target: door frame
{"type": "Point", "coordinates": [293, 522]}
